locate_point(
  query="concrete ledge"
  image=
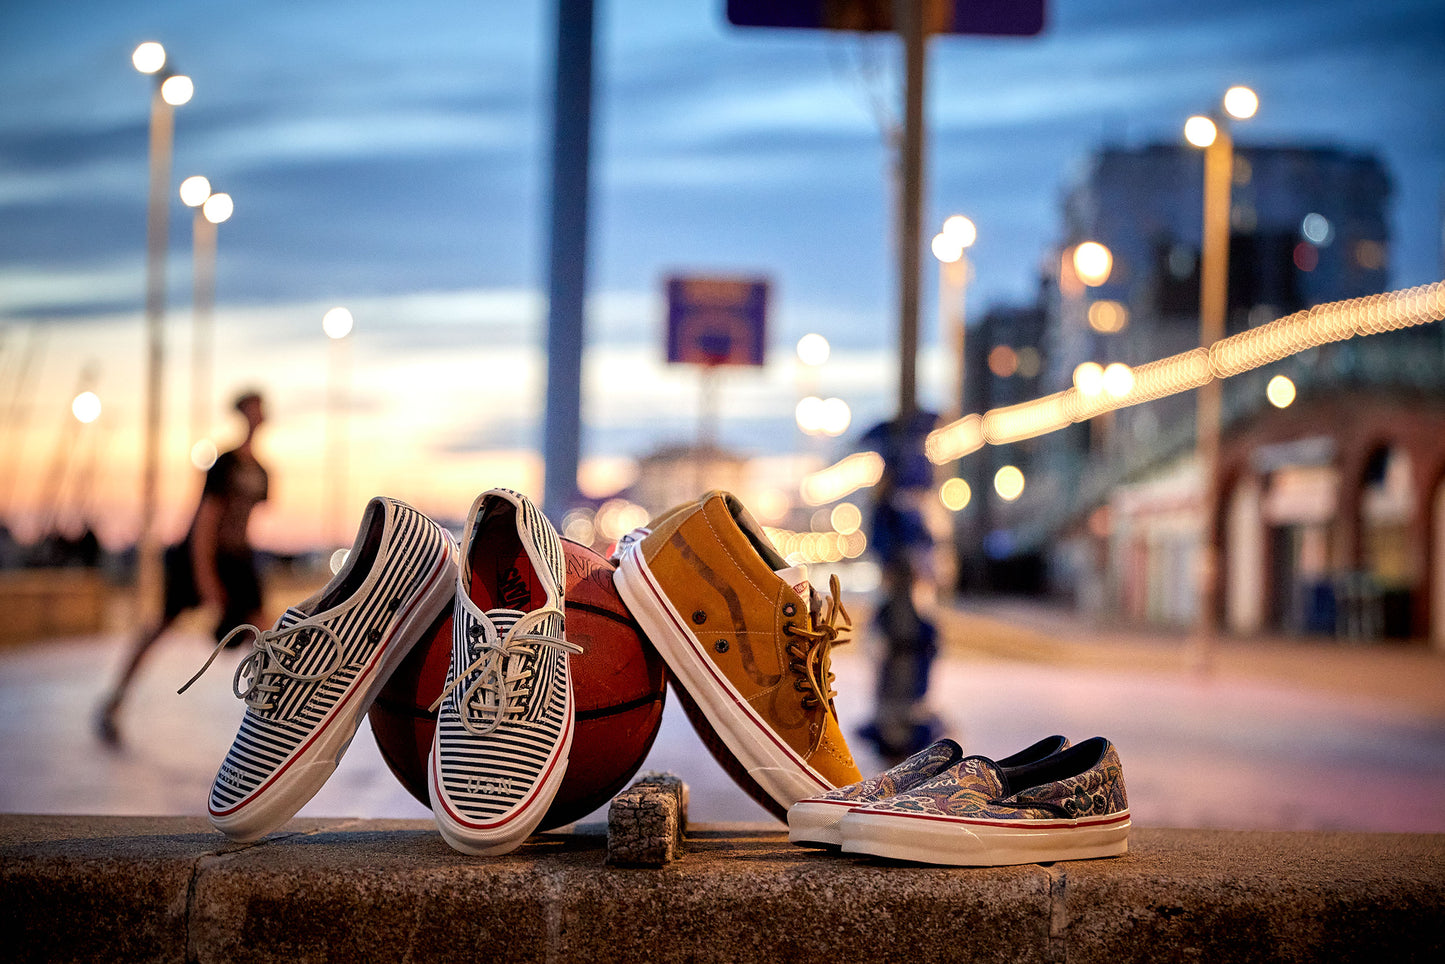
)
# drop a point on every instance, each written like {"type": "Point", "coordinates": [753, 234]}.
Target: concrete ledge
{"type": "Point", "coordinates": [170, 889]}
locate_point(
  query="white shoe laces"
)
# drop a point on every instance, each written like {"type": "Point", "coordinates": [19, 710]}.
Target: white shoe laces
{"type": "Point", "coordinates": [264, 669]}
{"type": "Point", "coordinates": [498, 693]}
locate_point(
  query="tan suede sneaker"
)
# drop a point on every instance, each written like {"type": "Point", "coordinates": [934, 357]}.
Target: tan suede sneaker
{"type": "Point", "coordinates": [747, 639]}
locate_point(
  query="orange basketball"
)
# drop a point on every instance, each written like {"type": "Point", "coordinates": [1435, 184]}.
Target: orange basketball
{"type": "Point", "coordinates": [618, 686]}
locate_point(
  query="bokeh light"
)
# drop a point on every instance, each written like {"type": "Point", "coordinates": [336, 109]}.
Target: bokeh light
{"type": "Point", "coordinates": [218, 208]}
{"type": "Point", "coordinates": [86, 407]}
{"type": "Point", "coordinates": [204, 454]}
{"type": "Point", "coordinates": [846, 518]}
{"type": "Point", "coordinates": [194, 191]}
{"type": "Point", "coordinates": [1108, 317]}
{"type": "Point", "coordinates": [1003, 361]}
{"type": "Point", "coordinates": [813, 349]}
{"type": "Point", "coordinates": [149, 57]}
{"type": "Point", "coordinates": [1241, 103]}
{"type": "Point", "coordinates": [1092, 263]}
{"type": "Point", "coordinates": [1089, 378]}
{"type": "Point", "coordinates": [337, 323]}
{"type": "Point", "coordinates": [1317, 229]}
{"type": "Point", "coordinates": [955, 494]}
{"type": "Point", "coordinates": [1008, 482]}
{"type": "Point", "coordinates": [960, 230]}
{"type": "Point", "coordinates": [1200, 131]}
{"type": "Point", "coordinates": [1118, 379]}
{"type": "Point", "coordinates": [177, 90]}
{"type": "Point", "coordinates": [1280, 391]}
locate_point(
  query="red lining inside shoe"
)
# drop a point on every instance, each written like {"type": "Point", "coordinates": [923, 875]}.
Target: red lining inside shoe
{"type": "Point", "coordinates": [502, 575]}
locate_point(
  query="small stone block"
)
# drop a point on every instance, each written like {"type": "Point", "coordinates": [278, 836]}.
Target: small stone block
{"type": "Point", "coordinates": [642, 827]}
{"type": "Point", "coordinates": [673, 782]}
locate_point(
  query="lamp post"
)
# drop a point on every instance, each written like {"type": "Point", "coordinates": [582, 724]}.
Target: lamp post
{"type": "Point", "coordinates": [954, 274]}
{"type": "Point", "coordinates": [337, 323]}
{"type": "Point", "coordinates": [1213, 136]}
{"type": "Point", "coordinates": [171, 91]}
{"type": "Point", "coordinates": [211, 209]}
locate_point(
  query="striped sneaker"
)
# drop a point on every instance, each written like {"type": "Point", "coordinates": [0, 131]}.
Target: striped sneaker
{"type": "Point", "coordinates": [815, 820]}
{"type": "Point", "coordinates": [309, 680]}
{"type": "Point", "coordinates": [505, 717]}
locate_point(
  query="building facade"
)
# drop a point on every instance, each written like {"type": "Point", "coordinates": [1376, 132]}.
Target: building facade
{"type": "Point", "coordinates": [1325, 517]}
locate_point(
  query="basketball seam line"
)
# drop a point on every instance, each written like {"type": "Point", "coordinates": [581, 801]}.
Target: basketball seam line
{"type": "Point", "coordinates": [416, 713]}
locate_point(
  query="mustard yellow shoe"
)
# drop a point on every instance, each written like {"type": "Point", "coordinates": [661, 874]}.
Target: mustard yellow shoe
{"type": "Point", "coordinates": [747, 640]}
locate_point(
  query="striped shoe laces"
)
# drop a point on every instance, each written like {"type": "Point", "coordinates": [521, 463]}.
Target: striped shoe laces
{"type": "Point", "coordinates": [500, 672]}
{"type": "Point", "coordinates": [263, 674]}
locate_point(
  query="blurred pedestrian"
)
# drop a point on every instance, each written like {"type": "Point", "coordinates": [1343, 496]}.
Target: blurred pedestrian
{"type": "Point", "coordinates": [900, 540]}
{"type": "Point", "coordinates": [214, 566]}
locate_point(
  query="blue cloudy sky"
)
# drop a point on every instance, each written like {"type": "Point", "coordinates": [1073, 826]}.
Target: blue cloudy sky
{"type": "Point", "coordinates": [394, 158]}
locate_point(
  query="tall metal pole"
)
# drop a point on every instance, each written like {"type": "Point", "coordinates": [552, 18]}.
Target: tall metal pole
{"type": "Point", "coordinates": [908, 16]}
{"type": "Point", "coordinates": [203, 301]}
{"type": "Point", "coordinates": [1213, 307]}
{"type": "Point", "coordinates": [567, 269]}
{"type": "Point", "coordinates": [162, 128]}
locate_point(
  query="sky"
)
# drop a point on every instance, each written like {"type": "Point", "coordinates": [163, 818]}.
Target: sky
{"type": "Point", "coordinates": [394, 158]}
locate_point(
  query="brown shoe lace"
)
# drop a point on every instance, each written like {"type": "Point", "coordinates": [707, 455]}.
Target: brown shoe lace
{"type": "Point", "coordinates": [812, 651]}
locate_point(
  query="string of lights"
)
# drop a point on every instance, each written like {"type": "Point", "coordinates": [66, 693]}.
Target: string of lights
{"type": "Point", "coordinates": [1098, 390]}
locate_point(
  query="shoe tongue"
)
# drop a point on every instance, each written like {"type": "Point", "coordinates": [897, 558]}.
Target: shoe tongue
{"type": "Point", "coordinates": [815, 599]}
{"type": "Point", "coordinates": [797, 577]}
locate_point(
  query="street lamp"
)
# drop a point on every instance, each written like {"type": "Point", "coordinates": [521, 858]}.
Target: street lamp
{"type": "Point", "coordinates": [954, 274]}
{"type": "Point", "coordinates": [171, 91]}
{"type": "Point", "coordinates": [211, 209]}
{"type": "Point", "coordinates": [337, 324]}
{"type": "Point", "coordinates": [1212, 135]}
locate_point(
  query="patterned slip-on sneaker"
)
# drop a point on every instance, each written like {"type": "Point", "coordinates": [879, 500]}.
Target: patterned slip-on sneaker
{"type": "Point", "coordinates": [309, 680]}
{"type": "Point", "coordinates": [505, 717]}
{"type": "Point", "coordinates": [815, 820]}
{"type": "Point", "coordinates": [1069, 806]}
{"type": "Point", "coordinates": [747, 641]}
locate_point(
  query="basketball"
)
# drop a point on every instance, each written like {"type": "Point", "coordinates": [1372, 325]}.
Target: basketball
{"type": "Point", "coordinates": [618, 687]}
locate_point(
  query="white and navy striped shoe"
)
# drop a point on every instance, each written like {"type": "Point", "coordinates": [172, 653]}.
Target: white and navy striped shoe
{"type": "Point", "coordinates": [310, 679]}
{"type": "Point", "coordinates": [505, 717]}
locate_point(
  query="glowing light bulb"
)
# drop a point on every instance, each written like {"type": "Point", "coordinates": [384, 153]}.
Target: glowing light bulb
{"type": "Point", "coordinates": [1008, 482]}
{"type": "Point", "coordinates": [337, 323]}
{"type": "Point", "coordinates": [1241, 102]}
{"type": "Point", "coordinates": [177, 90]}
{"type": "Point", "coordinates": [1092, 263]}
{"type": "Point", "coordinates": [149, 57]}
{"type": "Point", "coordinates": [194, 191]}
{"type": "Point", "coordinates": [1200, 131]}
{"type": "Point", "coordinates": [1280, 391]}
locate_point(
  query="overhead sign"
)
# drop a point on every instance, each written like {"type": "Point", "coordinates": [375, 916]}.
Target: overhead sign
{"type": "Point", "coordinates": [994, 18]}
{"type": "Point", "coordinates": [716, 321]}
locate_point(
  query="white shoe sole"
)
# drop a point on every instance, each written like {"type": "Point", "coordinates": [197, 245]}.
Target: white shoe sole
{"type": "Point", "coordinates": [961, 842]}
{"type": "Point", "coordinates": [506, 833]}
{"type": "Point", "coordinates": [816, 822]}
{"type": "Point", "coordinates": [782, 774]}
{"type": "Point", "coordinates": [297, 780]}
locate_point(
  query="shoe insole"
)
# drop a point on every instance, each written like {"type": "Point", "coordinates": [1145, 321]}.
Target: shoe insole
{"type": "Point", "coordinates": [502, 575]}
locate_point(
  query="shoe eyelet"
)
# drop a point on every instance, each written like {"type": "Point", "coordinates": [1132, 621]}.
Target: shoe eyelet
{"type": "Point", "coordinates": [721, 646]}
{"type": "Point", "coordinates": [790, 610]}
{"type": "Point", "coordinates": [699, 617]}
{"type": "Point", "coordinates": [374, 636]}
{"type": "Point", "coordinates": [393, 605]}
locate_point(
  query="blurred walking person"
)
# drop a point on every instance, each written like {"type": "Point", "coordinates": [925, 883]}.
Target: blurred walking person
{"type": "Point", "coordinates": [214, 566]}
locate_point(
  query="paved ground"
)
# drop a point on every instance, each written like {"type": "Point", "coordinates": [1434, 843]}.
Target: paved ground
{"type": "Point", "coordinates": [1259, 734]}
